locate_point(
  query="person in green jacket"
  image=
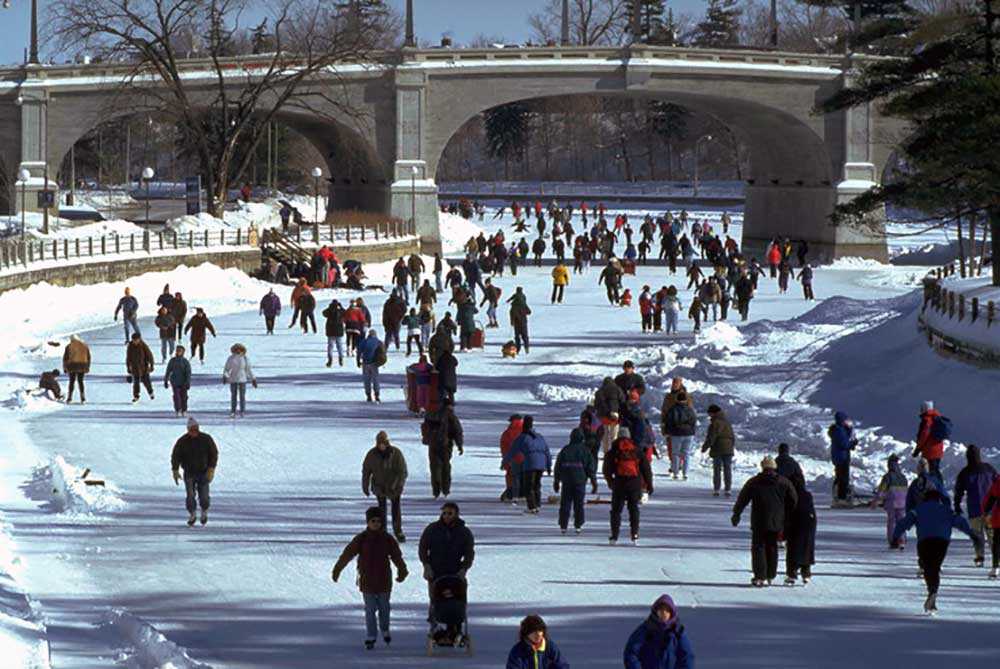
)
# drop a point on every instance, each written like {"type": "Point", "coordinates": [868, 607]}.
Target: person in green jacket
{"type": "Point", "coordinates": [575, 465]}
{"type": "Point", "coordinates": [720, 443]}
{"type": "Point", "coordinates": [384, 473]}
{"type": "Point", "coordinates": [178, 375]}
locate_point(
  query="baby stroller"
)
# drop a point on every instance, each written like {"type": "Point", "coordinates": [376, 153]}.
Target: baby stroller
{"type": "Point", "coordinates": [450, 628]}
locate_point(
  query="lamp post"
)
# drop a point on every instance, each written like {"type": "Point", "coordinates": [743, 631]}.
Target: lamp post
{"type": "Point", "coordinates": [147, 174]}
{"type": "Point", "coordinates": [697, 146]}
{"type": "Point", "coordinates": [24, 175]}
{"type": "Point", "coordinates": [316, 173]}
{"type": "Point", "coordinates": [413, 196]}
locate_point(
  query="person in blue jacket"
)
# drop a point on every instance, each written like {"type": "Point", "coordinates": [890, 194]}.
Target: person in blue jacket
{"type": "Point", "coordinates": [534, 649]}
{"type": "Point", "coordinates": [659, 642]}
{"type": "Point", "coordinates": [537, 459]}
{"type": "Point", "coordinates": [842, 442]}
{"type": "Point", "coordinates": [934, 520]}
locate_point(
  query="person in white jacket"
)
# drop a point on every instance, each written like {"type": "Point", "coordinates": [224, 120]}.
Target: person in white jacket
{"type": "Point", "coordinates": [237, 374]}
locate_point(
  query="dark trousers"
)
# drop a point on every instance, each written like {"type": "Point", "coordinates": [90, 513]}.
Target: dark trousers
{"type": "Point", "coordinates": [199, 349]}
{"type": "Point", "coordinates": [440, 463]}
{"type": "Point", "coordinates": [180, 398]}
{"type": "Point", "coordinates": [180, 330]}
{"type": "Point", "coordinates": [722, 472]}
{"type": "Point", "coordinates": [572, 495]}
{"type": "Point", "coordinates": [842, 479]}
{"type": "Point", "coordinates": [612, 292]}
{"type": "Point", "coordinates": [74, 379]}
{"type": "Point", "coordinates": [392, 335]}
{"type": "Point", "coordinates": [269, 322]}
{"type": "Point", "coordinates": [647, 322]}
{"type": "Point", "coordinates": [743, 305]}
{"type": "Point", "coordinates": [307, 318]}
{"type": "Point", "coordinates": [532, 487]}
{"type": "Point", "coordinates": [397, 514]}
{"type": "Point", "coordinates": [196, 486]}
{"type": "Point", "coordinates": [557, 293]}
{"type": "Point", "coordinates": [414, 339]}
{"type": "Point", "coordinates": [931, 554]}
{"type": "Point", "coordinates": [521, 337]}
{"type": "Point", "coordinates": [995, 545]}
{"type": "Point", "coordinates": [764, 554]}
{"type": "Point", "coordinates": [295, 317]}
{"type": "Point", "coordinates": [934, 466]}
{"type": "Point", "coordinates": [464, 339]}
{"type": "Point", "coordinates": [620, 496]}
{"type": "Point", "coordinates": [144, 379]}
{"type": "Point", "coordinates": [807, 291]}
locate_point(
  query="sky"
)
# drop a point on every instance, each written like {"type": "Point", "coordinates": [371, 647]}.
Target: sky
{"type": "Point", "coordinates": [463, 19]}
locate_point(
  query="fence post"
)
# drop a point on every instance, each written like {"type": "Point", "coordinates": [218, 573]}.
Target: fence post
{"type": "Point", "coordinates": [77, 247]}
{"type": "Point", "coordinates": [975, 309]}
{"type": "Point", "coordinates": [222, 237]}
{"type": "Point", "coordinates": [90, 246]}
{"type": "Point", "coordinates": [298, 235]}
{"type": "Point", "coordinates": [190, 239]}
{"type": "Point", "coordinates": [239, 236]}
{"type": "Point", "coordinates": [333, 238]}
{"type": "Point", "coordinates": [990, 313]}
{"type": "Point", "coordinates": [175, 239]}
{"type": "Point", "coordinates": [961, 306]}
{"type": "Point", "coordinates": [66, 248]}
{"type": "Point", "coordinates": [363, 226]}
{"type": "Point", "coordinates": [951, 304]}
{"type": "Point", "coordinates": [159, 237]}
{"type": "Point", "coordinates": [41, 250]}
{"type": "Point", "coordinates": [131, 241]}
{"type": "Point", "coordinates": [348, 232]}
{"type": "Point", "coordinates": [147, 241]}
{"type": "Point", "coordinates": [206, 238]}
{"type": "Point", "coordinates": [31, 252]}
{"type": "Point", "coordinates": [376, 230]}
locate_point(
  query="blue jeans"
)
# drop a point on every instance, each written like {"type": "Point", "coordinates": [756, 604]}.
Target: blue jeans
{"type": "Point", "coordinates": [376, 603]}
{"type": "Point", "coordinates": [681, 449]}
{"type": "Point", "coordinates": [130, 321]}
{"type": "Point", "coordinates": [572, 495]}
{"type": "Point", "coordinates": [167, 344]}
{"type": "Point", "coordinates": [196, 486]}
{"type": "Point", "coordinates": [722, 465]}
{"type": "Point", "coordinates": [237, 390]}
{"type": "Point", "coordinates": [437, 282]}
{"type": "Point", "coordinates": [491, 312]}
{"type": "Point", "coordinates": [404, 291]}
{"type": "Point", "coordinates": [425, 334]}
{"type": "Point", "coordinates": [369, 372]}
{"type": "Point", "coordinates": [669, 321]}
{"type": "Point", "coordinates": [337, 342]}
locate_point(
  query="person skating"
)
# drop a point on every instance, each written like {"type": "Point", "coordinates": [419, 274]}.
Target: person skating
{"type": "Point", "coordinates": [512, 468]}
{"type": "Point", "coordinates": [441, 431]}
{"type": "Point", "coordinates": [129, 308]}
{"type": "Point", "coordinates": [575, 466]}
{"type": "Point", "coordinates": [76, 363]}
{"type": "Point", "coordinates": [393, 312]}
{"type": "Point", "coordinates": [991, 508]}
{"type": "Point", "coordinates": [179, 310]}
{"type": "Point", "coordinates": [178, 377]}
{"type": "Point", "coordinates": [787, 465]}
{"type": "Point", "coordinates": [973, 483]}
{"type": "Point", "coordinates": [629, 380]}
{"type": "Point", "coordinates": [537, 460]}
{"type": "Point", "coordinates": [891, 494]}
{"type": "Point", "coordinates": [384, 473]}
{"type": "Point", "coordinates": [165, 324]}
{"type": "Point", "coordinates": [720, 444]}
{"type": "Point", "coordinates": [842, 442]}
{"type": "Point", "coordinates": [371, 356]}
{"type": "Point", "coordinates": [412, 324]}
{"type": "Point", "coordinates": [237, 373]}
{"type": "Point", "coordinates": [628, 474]}
{"type": "Point", "coordinates": [270, 309]}
{"type": "Point", "coordinates": [415, 265]}
{"type": "Point", "coordinates": [772, 497]}
{"type": "Point", "coordinates": [198, 326]}
{"type": "Point", "coordinates": [679, 424]}
{"type": "Point", "coordinates": [166, 298]}
{"type": "Point", "coordinates": [935, 521]}
{"type": "Point", "coordinates": [301, 287]}
{"type": "Point", "coordinates": [196, 453]}
{"type": "Point", "coordinates": [519, 312]}
{"type": "Point", "coordinates": [560, 279]}
{"type": "Point", "coordinates": [447, 369]}
{"type": "Point", "coordinates": [466, 317]}
{"type": "Point", "coordinates": [611, 404]}
{"type": "Point", "coordinates": [800, 534]}
{"type": "Point", "coordinates": [924, 481]}
{"type": "Point", "coordinates": [611, 277]}
{"type": "Point", "coordinates": [534, 649]}
{"type": "Point", "coordinates": [305, 305]}
{"type": "Point", "coordinates": [139, 365]}
{"type": "Point", "coordinates": [669, 400]}
{"type": "Point", "coordinates": [659, 642]}
{"type": "Point", "coordinates": [374, 549]}
{"type": "Point", "coordinates": [806, 277]}
{"type": "Point", "coordinates": [334, 315]}
{"type": "Point", "coordinates": [745, 288]}
{"type": "Point", "coordinates": [932, 432]}
{"type": "Point", "coordinates": [447, 548]}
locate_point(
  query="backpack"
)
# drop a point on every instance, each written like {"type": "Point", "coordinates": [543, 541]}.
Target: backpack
{"type": "Point", "coordinates": [380, 358]}
{"type": "Point", "coordinates": [627, 463]}
{"type": "Point", "coordinates": [940, 428]}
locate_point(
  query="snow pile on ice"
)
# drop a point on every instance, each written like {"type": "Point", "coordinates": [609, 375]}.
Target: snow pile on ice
{"type": "Point", "coordinates": [23, 638]}
{"type": "Point", "coordinates": [69, 492]}
{"type": "Point", "coordinates": [30, 400]}
{"type": "Point", "coordinates": [147, 646]}
{"type": "Point", "coordinates": [456, 231]}
{"type": "Point", "coordinates": [722, 337]}
{"type": "Point", "coordinates": [853, 262]}
{"type": "Point", "coordinates": [549, 393]}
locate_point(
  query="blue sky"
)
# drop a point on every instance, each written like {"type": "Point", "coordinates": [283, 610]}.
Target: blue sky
{"type": "Point", "coordinates": [464, 19]}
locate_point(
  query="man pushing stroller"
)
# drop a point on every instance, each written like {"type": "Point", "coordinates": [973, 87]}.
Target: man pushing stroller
{"type": "Point", "coordinates": [447, 549]}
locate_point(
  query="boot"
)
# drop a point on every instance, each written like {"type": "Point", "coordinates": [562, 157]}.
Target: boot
{"type": "Point", "coordinates": [191, 519]}
{"type": "Point", "coordinates": [204, 517]}
{"type": "Point", "coordinates": [368, 397]}
{"type": "Point", "coordinates": [329, 361]}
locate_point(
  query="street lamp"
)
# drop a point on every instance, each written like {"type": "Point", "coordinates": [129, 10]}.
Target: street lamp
{"type": "Point", "coordinates": [697, 145]}
{"type": "Point", "coordinates": [414, 171]}
{"type": "Point", "coordinates": [147, 174]}
{"type": "Point", "coordinates": [317, 173]}
{"type": "Point", "coordinates": [24, 175]}
{"type": "Point", "coordinates": [33, 53]}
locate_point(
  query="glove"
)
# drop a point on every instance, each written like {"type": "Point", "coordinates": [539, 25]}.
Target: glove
{"type": "Point", "coordinates": [210, 474]}
{"type": "Point", "coordinates": [735, 520]}
{"type": "Point", "coordinates": [916, 453]}
{"type": "Point", "coordinates": [177, 477]}
{"type": "Point", "coordinates": [401, 576]}
{"type": "Point", "coordinates": [254, 383]}
{"type": "Point", "coordinates": [165, 385]}
{"type": "Point", "coordinates": [223, 380]}
{"type": "Point", "coordinates": [461, 451]}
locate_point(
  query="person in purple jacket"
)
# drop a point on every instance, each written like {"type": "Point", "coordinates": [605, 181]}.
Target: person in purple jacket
{"type": "Point", "coordinates": [891, 495]}
{"type": "Point", "coordinates": [270, 308]}
{"type": "Point", "coordinates": [973, 484]}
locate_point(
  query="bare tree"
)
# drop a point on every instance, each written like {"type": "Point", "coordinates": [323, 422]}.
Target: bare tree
{"type": "Point", "coordinates": [591, 22]}
{"type": "Point", "coordinates": [222, 117]}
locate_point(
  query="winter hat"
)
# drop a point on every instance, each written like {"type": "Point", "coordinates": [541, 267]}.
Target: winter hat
{"type": "Point", "coordinates": [624, 433]}
{"type": "Point", "coordinates": [382, 438]}
{"type": "Point", "coordinates": [514, 416]}
{"type": "Point", "coordinates": [768, 463]}
{"type": "Point", "coordinates": [373, 512]}
{"type": "Point", "coordinates": [665, 602]}
{"type": "Point", "coordinates": [926, 406]}
{"type": "Point", "coordinates": [783, 448]}
{"type": "Point", "coordinates": [531, 624]}
{"type": "Point", "coordinates": [527, 424]}
{"type": "Point", "coordinates": [192, 421]}
{"type": "Point", "coordinates": [714, 408]}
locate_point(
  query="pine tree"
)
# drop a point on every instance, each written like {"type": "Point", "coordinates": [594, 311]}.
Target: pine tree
{"type": "Point", "coordinates": [668, 122]}
{"type": "Point", "coordinates": [721, 25]}
{"type": "Point", "coordinates": [877, 26]}
{"type": "Point", "coordinates": [507, 130]}
{"type": "Point", "coordinates": [669, 34]}
{"type": "Point", "coordinates": [650, 20]}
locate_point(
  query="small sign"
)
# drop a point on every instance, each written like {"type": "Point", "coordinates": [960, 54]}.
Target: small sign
{"type": "Point", "coordinates": [46, 199]}
{"type": "Point", "coordinates": [192, 195]}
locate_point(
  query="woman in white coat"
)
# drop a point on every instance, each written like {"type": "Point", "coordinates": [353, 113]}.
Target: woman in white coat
{"type": "Point", "coordinates": [237, 374]}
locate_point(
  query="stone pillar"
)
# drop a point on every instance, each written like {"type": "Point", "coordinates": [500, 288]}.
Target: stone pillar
{"type": "Point", "coordinates": [414, 193]}
{"type": "Point", "coordinates": [34, 148]}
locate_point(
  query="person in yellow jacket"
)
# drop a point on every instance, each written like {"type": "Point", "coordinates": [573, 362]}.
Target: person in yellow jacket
{"type": "Point", "coordinates": [560, 279]}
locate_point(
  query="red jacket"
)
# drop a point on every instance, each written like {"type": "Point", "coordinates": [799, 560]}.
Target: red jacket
{"type": "Point", "coordinates": [774, 255]}
{"type": "Point", "coordinates": [512, 432]}
{"type": "Point", "coordinates": [645, 304]}
{"type": "Point", "coordinates": [992, 503]}
{"type": "Point", "coordinates": [929, 447]}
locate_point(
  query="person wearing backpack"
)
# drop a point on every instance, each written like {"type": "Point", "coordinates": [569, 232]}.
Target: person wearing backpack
{"type": "Point", "coordinates": [680, 424]}
{"type": "Point", "coordinates": [973, 483]}
{"type": "Point", "coordinates": [537, 459]}
{"type": "Point", "coordinates": [932, 432]}
{"type": "Point", "coordinates": [441, 431]}
{"type": "Point", "coordinates": [371, 356]}
{"type": "Point", "coordinates": [575, 465]}
{"type": "Point", "coordinates": [628, 474]}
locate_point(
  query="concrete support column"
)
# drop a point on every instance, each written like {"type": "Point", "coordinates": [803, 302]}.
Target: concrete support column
{"type": "Point", "coordinates": [413, 193]}
{"type": "Point", "coordinates": [34, 148]}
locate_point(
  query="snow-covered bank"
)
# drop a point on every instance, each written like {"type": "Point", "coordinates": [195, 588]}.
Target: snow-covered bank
{"type": "Point", "coordinates": [23, 637]}
{"type": "Point", "coordinates": [981, 334]}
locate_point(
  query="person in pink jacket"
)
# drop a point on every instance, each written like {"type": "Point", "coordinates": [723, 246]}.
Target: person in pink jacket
{"type": "Point", "coordinates": [891, 495]}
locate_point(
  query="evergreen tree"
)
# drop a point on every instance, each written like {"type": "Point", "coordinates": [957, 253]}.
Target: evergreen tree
{"type": "Point", "coordinates": [650, 20]}
{"type": "Point", "coordinates": [721, 25]}
{"type": "Point", "coordinates": [668, 122]}
{"type": "Point", "coordinates": [948, 89]}
{"type": "Point", "coordinates": [877, 26]}
{"type": "Point", "coordinates": [507, 129]}
{"type": "Point", "coordinates": [669, 34]}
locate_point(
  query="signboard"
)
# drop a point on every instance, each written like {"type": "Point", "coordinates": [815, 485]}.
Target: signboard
{"type": "Point", "coordinates": [46, 199]}
{"type": "Point", "coordinates": [192, 195]}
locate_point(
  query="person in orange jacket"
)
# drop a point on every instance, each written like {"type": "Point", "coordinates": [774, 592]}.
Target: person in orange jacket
{"type": "Point", "coordinates": [512, 474]}
{"type": "Point", "coordinates": [626, 298]}
{"type": "Point", "coordinates": [991, 506]}
{"type": "Point", "coordinates": [931, 436]}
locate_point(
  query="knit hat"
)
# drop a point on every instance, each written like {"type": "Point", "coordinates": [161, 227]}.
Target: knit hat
{"type": "Point", "coordinates": [192, 421]}
{"type": "Point", "coordinates": [373, 512]}
{"type": "Point", "coordinates": [624, 433]}
{"type": "Point", "coordinates": [714, 408]}
{"type": "Point", "coordinates": [527, 424]}
{"type": "Point", "coordinates": [783, 448]}
{"type": "Point", "coordinates": [926, 406]}
{"type": "Point", "coordinates": [768, 463]}
{"type": "Point", "coordinates": [531, 624]}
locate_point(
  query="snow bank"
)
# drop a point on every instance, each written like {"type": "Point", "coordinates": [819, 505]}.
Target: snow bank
{"type": "Point", "coordinates": [261, 215]}
{"type": "Point", "coordinates": [546, 392]}
{"type": "Point", "coordinates": [68, 491]}
{"type": "Point", "coordinates": [23, 637]}
{"type": "Point", "coordinates": [147, 647]}
{"type": "Point", "coordinates": [456, 231]}
{"type": "Point", "coordinates": [105, 199]}
{"type": "Point", "coordinates": [978, 334]}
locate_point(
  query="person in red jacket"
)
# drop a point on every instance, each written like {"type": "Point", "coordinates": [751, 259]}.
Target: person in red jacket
{"type": "Point", "coordinates": [774, 258]}
{"type": "Point", "coordinates": [991, 506]}
{"type": "Point", "coordinates": [931, 447]}
{"type": "Point", "coordinates": [646, 309]}
{"type": "Point", "coordinates": [512, 469]}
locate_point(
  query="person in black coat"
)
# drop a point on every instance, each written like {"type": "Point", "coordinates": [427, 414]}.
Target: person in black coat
{"type": "Point", "coordinates": [446, 366]}
{"type": "Point", "coordinates": [334, 315]}
{"type": "Point", "coordinates": [772, 497]}
{"type": "Point", "coordinates": [447, 548]}
{"type": "Point", "coordinates": [787, 465]}
{"type": "Point", "coordinates": [800, 534]}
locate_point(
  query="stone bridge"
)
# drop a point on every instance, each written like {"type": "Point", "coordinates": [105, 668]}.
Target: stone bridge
{"type": "Point", "coordinates": [383, 156]}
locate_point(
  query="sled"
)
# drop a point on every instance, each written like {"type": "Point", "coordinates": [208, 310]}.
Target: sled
{"type": "Point", "coordinates": [478, 339]}
{"type": "Point", "coordinates": [598, 500]}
